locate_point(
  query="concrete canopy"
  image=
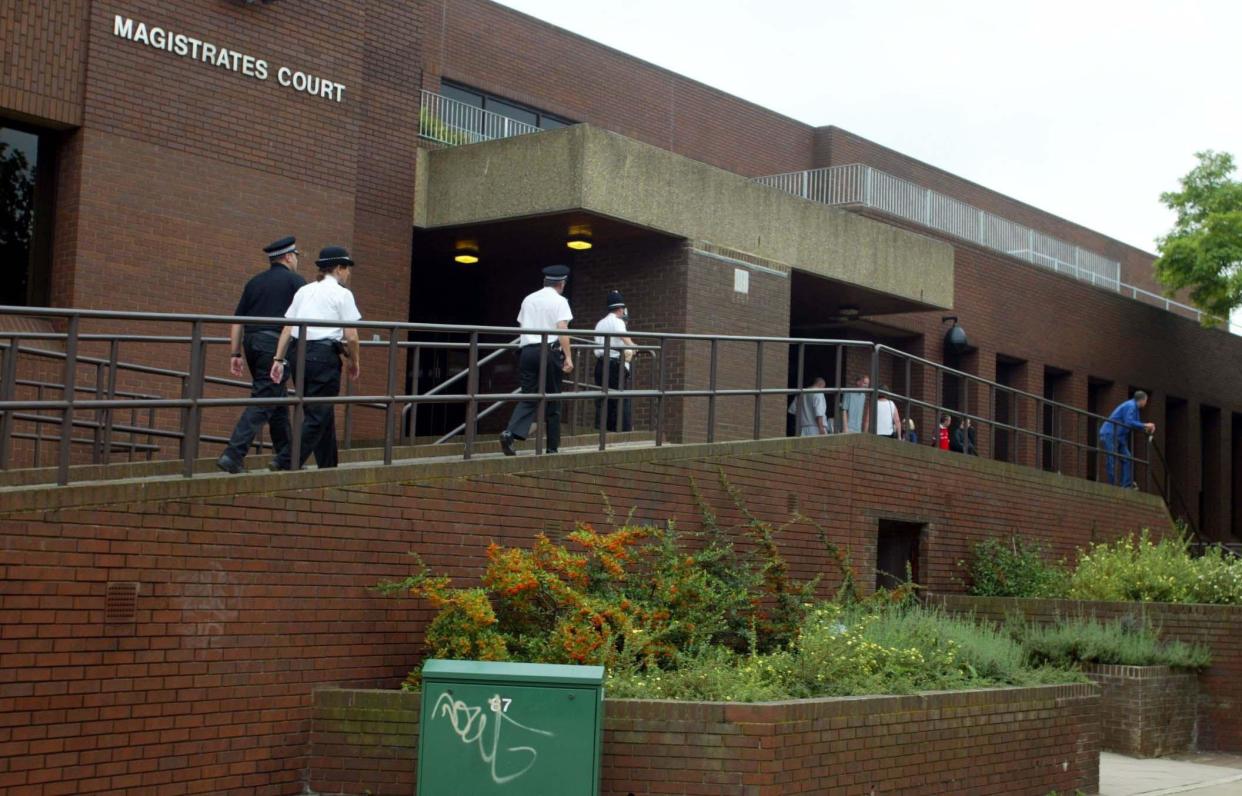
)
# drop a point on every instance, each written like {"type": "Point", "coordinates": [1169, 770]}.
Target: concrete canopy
{"type": "Point", "coordinates": [585, 169]}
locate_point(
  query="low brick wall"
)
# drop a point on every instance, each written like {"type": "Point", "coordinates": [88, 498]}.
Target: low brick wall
{"type": "Point", "coordinates": [1146, 711]}
{"type": "Point", "coordinates": [1216, 626]}
{"type": "Point", "coordinates": [1007, 740]}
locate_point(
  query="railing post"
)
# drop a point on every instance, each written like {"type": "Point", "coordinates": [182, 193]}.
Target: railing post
{"type": "Point", "coordinates": [874, 398]}
{"type": "Point", "coordinates": [758, 386]}
{"type": "Point", "coordinates": [711, 398]}
{"type": "Point", "coordinates": [8, 392]}
{"type": "Point", "coordinates": [97, 448]}
{"type": "Point", "coordinates": [472, 389]}
{"type": "Point", "coordinates": [836, 399]}
{"type": "Point", "coordinates": [542, 411]}
{"type": "Point", "coordinates": [605, 410]}
{"type": "Point", "coordinates": [910, 393]}
{"type": "Point", "coordinates": [299, 392]}
{"type": "Point", "coordinates": [412, 430]}
{"type": "Point", "coordinates": [195, 390]}
{"type": "Point", "coordinates": [114, 355]}
{"type": "Point", "coordinates": [70, 384]}
{"type": "Point", "coordinates": [659, 401]}
{"type": "Point", "coordinates": [390, 406]}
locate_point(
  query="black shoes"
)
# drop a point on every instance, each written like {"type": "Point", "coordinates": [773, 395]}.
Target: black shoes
{"type": "Point", "coordinates": [506, 443]}
{"type": "Point", "coordinates": [230, 465]}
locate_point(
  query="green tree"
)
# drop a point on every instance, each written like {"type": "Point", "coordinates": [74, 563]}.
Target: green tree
{"type": "Point", "coordinates": [1204, 250]}
{"type": "Point", "coordinates": [16, 223]}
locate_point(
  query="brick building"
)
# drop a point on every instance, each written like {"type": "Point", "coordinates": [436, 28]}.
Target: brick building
{"type": "Point", "coordinates": [164, 142]}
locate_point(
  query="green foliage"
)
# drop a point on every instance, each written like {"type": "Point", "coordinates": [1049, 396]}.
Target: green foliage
{"type": "Point", "coordinates": [1204, 249]}
{"type": "Point", "coordinates": [1072, 642]}
{"type": "Point", "coordinates": [1014, 569]}
{"type": "Point", "coordinates": [1138, 569]}
{"type": "Point", "coordinates": [436, 129]}
{"type": "Point", "coordinates": [854, 650]}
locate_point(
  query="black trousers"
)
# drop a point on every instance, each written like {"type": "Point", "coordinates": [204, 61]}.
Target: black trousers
{"type": "Point", "coordinates": [528, 379]}
{"type": "Point", "coordinates": [322, 378]}
{"type": "Point", "coordinates": [615, 371]}
{"type": "Point", "coordinates": [259, 348]}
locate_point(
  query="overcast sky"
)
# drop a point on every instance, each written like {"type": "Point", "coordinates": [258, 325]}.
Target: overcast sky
{"type": "Point", "coordinates": [1086, 109]}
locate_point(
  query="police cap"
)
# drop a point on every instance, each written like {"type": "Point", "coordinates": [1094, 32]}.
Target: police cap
{"type": "Point", "coordinates": [615, 299]}
{"type": "Point", "coordinates": [280, 247]}
{"type": "Point", "coordinates": [556, 273]}
{"type": "Point", "coordinates": [332, 256]}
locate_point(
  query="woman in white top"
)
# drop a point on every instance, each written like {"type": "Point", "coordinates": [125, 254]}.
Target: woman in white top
{"type": "Point", "coordinates": [888, 419]}
{"type": "Point", "coordinates": [326, 299]}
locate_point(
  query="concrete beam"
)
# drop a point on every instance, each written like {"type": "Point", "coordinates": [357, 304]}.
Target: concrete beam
{"type": "Point", "coordinates": [583, 168]}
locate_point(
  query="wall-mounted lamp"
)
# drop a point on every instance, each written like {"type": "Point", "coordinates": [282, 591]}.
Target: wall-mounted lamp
{"type": "Point", "coordinates": [955, 341]}
{"type": "Point", "coordinates": [579, 238]}
{"type": "Point", "coordinates": [466, 252]}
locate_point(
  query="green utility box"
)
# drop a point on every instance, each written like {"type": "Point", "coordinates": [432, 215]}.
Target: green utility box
{"type": "Point", "coordinates": [524, 729]}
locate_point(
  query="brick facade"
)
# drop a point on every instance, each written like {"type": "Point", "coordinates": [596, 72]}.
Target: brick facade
{"type": "Point", "coordinates": [1215, 626]}
{"type": "Point", "coordinates": [1146, 711]}
{"type": "Point", "coordinates": [941, 743]}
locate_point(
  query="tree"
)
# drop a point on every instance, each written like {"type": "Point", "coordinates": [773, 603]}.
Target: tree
{"type": "Point", "coordinates": [1204, 250]}
{"type": "Point", "coordinates": [16, 223]}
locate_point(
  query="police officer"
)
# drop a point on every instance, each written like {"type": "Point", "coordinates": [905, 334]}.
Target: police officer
{"type": "Point", "coordinates": [1115, 438]}
{"type": "Point", "coordinates": [543, 309]}
{"type": "Point", "coordinates": [326, 299]}
{"type": "Point", "coordinates": [266, 295]}
{"type": "Point", "coordinates": [620, 351]}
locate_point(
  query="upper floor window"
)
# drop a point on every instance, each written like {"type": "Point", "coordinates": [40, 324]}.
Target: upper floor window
{"type": "Point", "coordinates": [504, 107]}
{"type": "Point", "coordinates": [25, 215]}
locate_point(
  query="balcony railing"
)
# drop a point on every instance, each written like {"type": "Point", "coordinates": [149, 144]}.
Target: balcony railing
{"type": "Point", "coordinates": [858, 184]}
{"type": "Point", "coordinates": [453, 123]}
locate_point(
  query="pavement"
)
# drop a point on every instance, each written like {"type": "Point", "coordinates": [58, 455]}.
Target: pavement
{"type": "Point", "coordinates": [1196, 773]}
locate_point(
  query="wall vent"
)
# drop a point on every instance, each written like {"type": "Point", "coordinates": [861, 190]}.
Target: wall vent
{"type": "Point", "coordinates": [121, 604]}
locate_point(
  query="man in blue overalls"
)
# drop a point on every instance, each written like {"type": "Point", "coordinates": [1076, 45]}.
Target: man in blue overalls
{"type": "Point", "coordinates": [1115, 438]}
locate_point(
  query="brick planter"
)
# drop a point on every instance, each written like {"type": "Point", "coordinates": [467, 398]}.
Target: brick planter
{"type": "Point", "coordinates": [1006, 740]}
{"type": "Point", "coordinates": [1146, 711]}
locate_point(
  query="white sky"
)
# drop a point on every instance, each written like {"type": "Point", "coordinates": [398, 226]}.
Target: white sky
{"type": "Point", "coordinates": [1086, 109]}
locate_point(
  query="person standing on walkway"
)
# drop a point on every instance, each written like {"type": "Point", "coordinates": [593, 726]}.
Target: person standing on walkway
{"type": "Point", "coordinates": [620, 349]}
{"type": "Point", "coordinates": [855, 409]}
{"type": "Point", "coordinates": [266, 295]}
{"type": "Point", "coordinates": [811, 409]}
{"type": "Point", "coordinates": [1115, 438]}
{"type": "Point", "coordinates": [887, 418]}
{"type": "Point", "coordinates": [326, 299]}
{"type": "Point", "coordinates": [544, 309]}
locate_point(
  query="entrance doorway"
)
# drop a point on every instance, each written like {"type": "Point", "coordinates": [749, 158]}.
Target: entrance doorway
{"type": "Point", "coordinates": [898, 549]}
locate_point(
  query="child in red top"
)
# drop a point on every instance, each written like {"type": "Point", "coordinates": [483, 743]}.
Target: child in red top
{"type": "Point", "coordinates": [942, 441]}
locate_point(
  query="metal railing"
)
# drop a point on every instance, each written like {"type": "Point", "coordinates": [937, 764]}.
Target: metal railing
{"type": "Point", "coordinates": [453, 123]}
{"type": "Point", "coordinates": [862, 185]}
{"type": "Point", "coordinates": [714, 372]}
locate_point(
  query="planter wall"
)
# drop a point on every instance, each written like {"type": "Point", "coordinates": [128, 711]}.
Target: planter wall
{"type": "Point", "coordinates": [1009, 741]}
{"type": "Point", "coordinates": [1146, 711]}
{"type": "Point", "coordinates": [1216, 626]}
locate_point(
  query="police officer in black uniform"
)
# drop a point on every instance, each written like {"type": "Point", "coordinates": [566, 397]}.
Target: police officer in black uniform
{"type": "Point", "coordinates": [266, 295]}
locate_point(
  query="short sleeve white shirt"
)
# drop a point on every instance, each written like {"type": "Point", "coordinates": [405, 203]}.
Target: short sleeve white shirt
{"type": "Point", "coordinates": [884, 418]}
{"type": "Point", "coordinates": [610, 323]}
{"type": "Point", "coordinates": [809, 407]}
{"type": "Point", "coordinates": [325, 300]}
{"type": "Point", "coordinates": [543, 309]}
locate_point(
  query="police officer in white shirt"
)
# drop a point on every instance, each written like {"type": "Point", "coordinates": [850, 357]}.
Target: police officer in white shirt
{"type": "Point", "coordinates": [543, 309]}
{"type": "Point", "coordinates": [620, 350]}
{"type": "Point", "coordinates": [326, 299]}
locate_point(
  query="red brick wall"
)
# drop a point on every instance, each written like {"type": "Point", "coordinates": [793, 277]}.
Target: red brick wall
{"type": "Point", "coordinates": [32, 84]}
{"type": "Point", "coordinates": [517, 57]}
{"type": "Point", "coordinates": [1012, 741]}
{"type": "Point", "coordinates": [835, 147]}
{"type": "Point", "coordinates": [255, 589]}
{"type": "Point", "coordinates": [1215, 626]}
{"type": "Point", "coordinates": [1146, 711]}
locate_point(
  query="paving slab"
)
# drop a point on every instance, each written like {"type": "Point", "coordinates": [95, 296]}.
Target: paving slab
{"type": "Point", "coordinates": [1206, 774]}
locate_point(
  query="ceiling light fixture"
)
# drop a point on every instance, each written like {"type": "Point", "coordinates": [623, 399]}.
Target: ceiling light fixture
{"type": "Point", "coordinates": [467, 252]}
{"type": "Point", "coordinates": [579, 238]}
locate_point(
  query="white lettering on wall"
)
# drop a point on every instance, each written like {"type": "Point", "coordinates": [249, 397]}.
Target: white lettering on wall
{"type": "Point", "coordinates": [185, 46]}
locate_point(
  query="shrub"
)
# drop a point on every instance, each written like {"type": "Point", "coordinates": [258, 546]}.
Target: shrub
{"type": "Point", "coordinates": [1014, 569]}
{"type": "Point", "coordinates": [1073, 642]}
{"type": "Point", "coordinates": [1138, 569]}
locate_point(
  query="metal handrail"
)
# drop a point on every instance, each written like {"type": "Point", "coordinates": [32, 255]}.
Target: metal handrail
{"type": "Point", "coordinates": [452, 123]}
{"type": "Point", "coordinates": [406, 336]}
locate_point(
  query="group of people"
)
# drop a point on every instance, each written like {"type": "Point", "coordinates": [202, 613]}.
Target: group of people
{"type": "Point", "coordinates": [270, 352]}
{"type": "Point", "coordinates": [810, 410]}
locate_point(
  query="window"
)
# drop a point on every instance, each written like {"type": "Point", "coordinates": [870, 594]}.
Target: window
{"type": "Point", "coordinates": [506, 108]}
{"type": "Point", "coordinates": [24, 216]}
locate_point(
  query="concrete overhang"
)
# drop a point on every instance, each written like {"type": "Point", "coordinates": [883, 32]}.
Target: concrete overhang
{"type": "Point", "coordinates": [586, 169]}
